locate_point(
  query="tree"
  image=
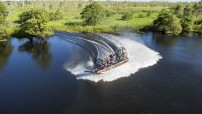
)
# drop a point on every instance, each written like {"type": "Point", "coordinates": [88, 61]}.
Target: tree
{"type": "Point", "coordinates": [127, 16]}
{"type": "Point", "coordinates": [93, 13]}
{"type": "Point", "coordinates": [40, 14]}
{"type": "Point", "coordinates": [33, 23]}
{"type": "Point", "coordinates": [3, 23]}
{"type": "Point", "coordinates": [187, 11]}
{"type": "Point", "coordinates": [2, 8]}
{"type": "Point", "coordinates": [187, 23]}
{"type": "Point", "coordinates": [168, 23]}
{"type": "Point", "coordinates": [179, 11]}
{"type": "Point", "coordinates": [108, 13]}
{"type": "Point", "coordinates": [57, 15]}
{"type": "Point", "coordinates": [197, 8]}
{"type": "Point", "coordinates": [198, 25]}
{"type": "Point", "coordinates": [2, 19]}
{"type": "Point", "coordinates": [187, 19]}
{"type": "Point", "coordinates": [35, 28]}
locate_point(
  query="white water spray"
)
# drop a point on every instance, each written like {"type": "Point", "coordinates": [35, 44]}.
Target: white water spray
{"type": "Point", "coordinates": [140, 56]}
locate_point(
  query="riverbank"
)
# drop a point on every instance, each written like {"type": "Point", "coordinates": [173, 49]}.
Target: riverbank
{"type": "Point", "coordinates": [142, 21]}
{"type": "Point", "coordinates": [112, 24]}
{"type": "Point", "coordinates": [72, 22]}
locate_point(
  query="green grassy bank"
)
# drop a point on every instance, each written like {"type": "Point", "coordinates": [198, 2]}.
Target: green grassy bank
{"type": "Point", "coordinates": [72, 22]}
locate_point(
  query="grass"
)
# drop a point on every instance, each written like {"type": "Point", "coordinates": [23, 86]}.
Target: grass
{"type": "Point", "coordinates": [3, 40]}
{"type": "Point", "coordinates": [11, 29]}
{"type": "Point", "coordinates": [72, 23]}
{"type": "Point", "coordinates": [13, 16]}
{"type": "Point", "coordinates": [113, 24]}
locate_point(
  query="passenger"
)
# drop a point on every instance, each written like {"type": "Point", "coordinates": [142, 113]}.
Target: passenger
{"type": "Point", "coordinates": [117, 57]}
{"type": "Point", "coordinates": [114, 59]}
{"type": "Point", "coordinates": [99, 63]}
{"type": "Point", "coordinates": [109, 59]}
{"type": "Point", "coordinates": [108, 62]}
{"type": "Point", "coordinates": [119, 54]}
{"type": "Point", "coordinates": [110, 56]}
{"type": "Point", "coordinates": [105, 63]}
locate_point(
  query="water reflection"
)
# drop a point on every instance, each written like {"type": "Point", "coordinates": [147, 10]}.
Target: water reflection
{"type": "Point", "coordinates": [5, 51]}
{"type": "Point", "coordinates": [191, 34]}
{"type": "Point", "coordinates": [165, 39]}
{"type": "Point", "coordinates": [39, 50]}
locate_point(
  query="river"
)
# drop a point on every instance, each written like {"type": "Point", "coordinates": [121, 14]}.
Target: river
{"type": "Point", "coordinates": [163, 75]}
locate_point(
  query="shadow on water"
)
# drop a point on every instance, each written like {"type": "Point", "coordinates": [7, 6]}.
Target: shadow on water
{"type": "Point", "coordinates": [39, 49]}
{"type": "Point", "coordinates": [27, 88]}
{"type": "Point", "coordinates": [5, 51]}
{"type": "Point", "coordinates": [165, 39]}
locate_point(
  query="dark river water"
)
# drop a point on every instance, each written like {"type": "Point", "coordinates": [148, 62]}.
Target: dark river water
{"type": "Point", "coordinates": [34, 80]}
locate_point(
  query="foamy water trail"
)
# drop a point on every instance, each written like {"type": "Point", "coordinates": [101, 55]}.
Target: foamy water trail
{"type": "Point", "coordinates": [140, 56]}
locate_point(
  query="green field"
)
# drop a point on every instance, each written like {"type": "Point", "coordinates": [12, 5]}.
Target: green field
{"type": "Point", "coordinates": [72, 22]}
{"type": "Point", "coordinates": [117, 16]}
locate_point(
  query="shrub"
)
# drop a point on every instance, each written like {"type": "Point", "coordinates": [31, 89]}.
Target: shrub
{"type": "Point", "coordinates": [93, 13]}
{"type": "Point", "coordinates": [168, 23]}
{"type": "Point", "coordinates": [108, 13]}
{"type": "Point", "coordinates": [141, 15]}
{"type": "Point", "coordinates": [127, 16]}
{"type": "Point", "coordinates": [40, 14]}
{"type": "Point", "coordinates": [3, 23]}
{"type": "Point", "coordinates": [149, 14]}
{"type": "Point", "coordinates": [33, 23]}
{"type": "Point", "coordinates": [186, 23]}
{"type": "Point", "coordinates": [57, 15]}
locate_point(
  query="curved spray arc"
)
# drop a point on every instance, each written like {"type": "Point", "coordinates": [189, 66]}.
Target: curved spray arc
{"type": "Point", "coordinates": [140, 56]}
{"type": "Point", "coordinates": [90, 37]}
{"type": "Point", "coordinates": [98, 54]}
{"type": "Point", "coordinates": [101, 41]}
{"type": "Point", "coordinates": [92, 55]}
{"type": "Point", "coordinates": [107, 38]}
{"type": "Point", "coordinates": [90, 40]}
{"type": "Point", "coordinates": [97, 42]}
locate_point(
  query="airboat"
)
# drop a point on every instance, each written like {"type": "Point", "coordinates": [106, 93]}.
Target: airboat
{"type": "Point", "coordinates": [121, 57]}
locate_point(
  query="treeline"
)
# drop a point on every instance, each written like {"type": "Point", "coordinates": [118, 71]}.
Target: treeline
{"type": "Point", "coordinates": [3, 22]}
{"type": "Point", "coordinates": [180, 19]}
{"type": "Point", "coordinates": [31, 23]}
{"type": "Point", "coordinates": [175, 18]}
{"type": "Point", "coordinates": [65, 4]}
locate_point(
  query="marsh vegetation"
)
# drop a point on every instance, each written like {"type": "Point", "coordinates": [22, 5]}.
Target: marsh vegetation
{"type": "Point", "coordinates": [40, 18]}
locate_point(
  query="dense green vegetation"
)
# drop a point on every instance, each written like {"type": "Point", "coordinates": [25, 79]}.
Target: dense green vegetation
{"type": "Point", "coordinates": [107, 17]}
{"type": "Point", "coordinates": [33, 23]}
{"type": "Point", "coordinates": [3, 23]}
{"type": "Point", "coordinates": [127, 16]}
{"type": "Point", "coordinates": [92, 14]}
{"type": "Point", "coordinates": [168, 23]}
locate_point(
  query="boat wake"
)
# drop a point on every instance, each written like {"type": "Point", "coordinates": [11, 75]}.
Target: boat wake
{"type": "Point", "coordinates": [139, 55]}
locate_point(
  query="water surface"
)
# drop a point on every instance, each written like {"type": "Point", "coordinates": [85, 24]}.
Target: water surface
{"type": "Point", "coordinates": [33, 78]}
